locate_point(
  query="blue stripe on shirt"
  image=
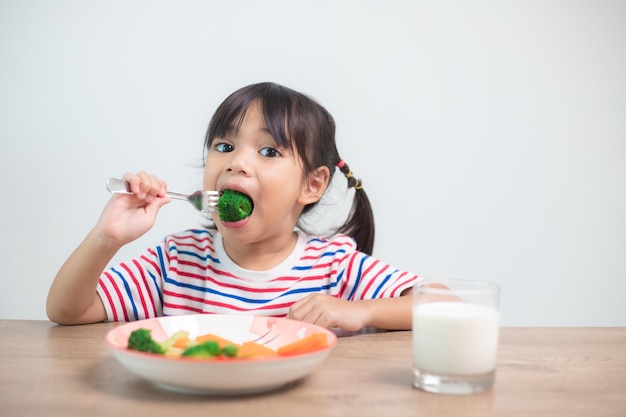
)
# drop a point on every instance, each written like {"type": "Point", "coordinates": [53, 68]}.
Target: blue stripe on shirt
{"type": "Point", "coordinates": [195, 255]}
{"type": "Point", "coordinates": [358, 278]}
{"type": "Point", "coordinates": [212, 291]}
{"type": "Point", "coordinates": [128, 292]}
{"type": "Point", "coordinates": [382, 284]}
{"type": "Point", "coordinates": [309, 289]}
{"type": "Point", "coordinates": [159, 291]}
{"type": "Point", "coordinates": [332, 254]}
{"type": "Point", "coordinates": [161, 262]}
{"type": "Point", "coordinates": [252, 300]}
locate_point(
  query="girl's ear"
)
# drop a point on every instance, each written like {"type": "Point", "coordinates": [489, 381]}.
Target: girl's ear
{"type": "Point", "coordinates": [315, 185]}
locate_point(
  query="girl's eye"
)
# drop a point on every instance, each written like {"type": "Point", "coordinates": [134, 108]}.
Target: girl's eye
{"type": "Point", "coordinates": [270, 152]}
{"type": "Point", "coordinates": [223, 147]}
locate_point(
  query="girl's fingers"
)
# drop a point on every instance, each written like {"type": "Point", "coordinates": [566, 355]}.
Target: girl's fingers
{"type": "Point", "coordinates": [305, 310]}
{"type": "Point", "coordinates": [145, 186]}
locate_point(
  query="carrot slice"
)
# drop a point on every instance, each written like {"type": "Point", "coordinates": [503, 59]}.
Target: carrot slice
{"type": "Point", "coordinates": [181, 343]}
{"type": "Point", "coordinates": [209, 337]}
{"type": "Point", "coordinates": [254, 349]}
{"type": "Point", "coordinates": [310, 343]}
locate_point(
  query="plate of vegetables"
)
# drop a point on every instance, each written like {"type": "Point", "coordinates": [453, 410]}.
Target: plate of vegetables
{"type": "Point", "coordinates": [220, 354]}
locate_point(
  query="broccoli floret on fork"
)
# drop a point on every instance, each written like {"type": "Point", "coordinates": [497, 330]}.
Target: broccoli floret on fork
{"type": "Point", "coordinates": [234, 206]}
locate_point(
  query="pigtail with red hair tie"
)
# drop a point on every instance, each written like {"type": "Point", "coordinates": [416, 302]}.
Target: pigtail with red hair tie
{"type": "Point", "coordinates": [352, 180]}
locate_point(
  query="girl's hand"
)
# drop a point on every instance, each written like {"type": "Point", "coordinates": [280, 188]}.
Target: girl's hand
{"type": "Point", "coordinates": [128, 216]}
{"type": "Point", "coordinates": [327, 311]}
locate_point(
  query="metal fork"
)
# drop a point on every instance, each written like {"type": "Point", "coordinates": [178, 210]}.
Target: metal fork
{"type": "Point", "coordinates": [203, 201]}
{"type": "Point", "coordinates": [266, 337]}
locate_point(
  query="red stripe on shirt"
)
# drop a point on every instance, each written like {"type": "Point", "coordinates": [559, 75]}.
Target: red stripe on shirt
{"type": "Point", "coordinates": [119, 295]}
{"type": "Point", "coordinates": [217, 304]}
{"type": "Point", "coordinates": [146, 286]}
{"type": "Point", "coordinates": [110, 300]}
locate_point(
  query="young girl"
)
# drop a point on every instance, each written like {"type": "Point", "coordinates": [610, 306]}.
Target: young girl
{"type": "Point", "coordinates": [278, 147]}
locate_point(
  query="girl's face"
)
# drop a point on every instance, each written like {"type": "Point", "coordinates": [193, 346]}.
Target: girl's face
{"type": "Point", "coordinates": [249, 160]}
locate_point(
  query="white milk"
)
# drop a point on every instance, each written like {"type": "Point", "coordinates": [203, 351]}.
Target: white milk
{"type": "Point", "coordinates": [455, 338]}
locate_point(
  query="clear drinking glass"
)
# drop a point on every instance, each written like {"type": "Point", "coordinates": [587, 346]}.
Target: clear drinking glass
{"type": "Point", "coordinates": [455, 335]}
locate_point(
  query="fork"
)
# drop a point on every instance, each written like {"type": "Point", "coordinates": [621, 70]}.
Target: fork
{"type": "Point", "coordinates": [203, 201]}
{"type": "Point", "coordinates": [266, 337]}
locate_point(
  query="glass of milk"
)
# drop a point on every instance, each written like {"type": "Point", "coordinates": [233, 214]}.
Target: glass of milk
{"type": "Point", "coordinates": [455, 335]}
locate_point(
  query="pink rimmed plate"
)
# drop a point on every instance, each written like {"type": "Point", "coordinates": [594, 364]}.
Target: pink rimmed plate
{"type": "Point", "coordinates": [221, 377]}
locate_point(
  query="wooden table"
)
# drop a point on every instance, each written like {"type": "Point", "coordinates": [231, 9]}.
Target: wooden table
{"type": "Point", "coordinates": [49, 370]}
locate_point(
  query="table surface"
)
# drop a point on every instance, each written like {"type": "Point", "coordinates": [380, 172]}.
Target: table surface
{"type": "Point", "coordinates": [54, 370]}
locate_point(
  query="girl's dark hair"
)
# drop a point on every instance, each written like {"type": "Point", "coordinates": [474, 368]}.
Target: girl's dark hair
{"type": "Point", "coordinates": [298, 122]}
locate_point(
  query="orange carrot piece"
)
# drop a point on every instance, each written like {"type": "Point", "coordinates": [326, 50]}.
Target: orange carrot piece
{"type": "Point", "coordinates": [181, 343]}
{"type": "Point", "coordinates": [310, 343]}
{"type": "Point", "coordinates": [254, 349]}
{"type": "Point", "coordinates": [209, 337]}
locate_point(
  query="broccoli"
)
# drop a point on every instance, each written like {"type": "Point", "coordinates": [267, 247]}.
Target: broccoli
{"type": "Point", "coordinates": [234, 206]}
{"type": "Point", "coordinates": [141, 340]}
{"type": "Point", "coordinates": [230, 351]}
{"type": "Point", "coordinates": [208, 350]}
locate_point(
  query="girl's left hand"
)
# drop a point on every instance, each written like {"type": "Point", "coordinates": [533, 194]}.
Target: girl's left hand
{"type": "Point", "coordinates": [327, 311]}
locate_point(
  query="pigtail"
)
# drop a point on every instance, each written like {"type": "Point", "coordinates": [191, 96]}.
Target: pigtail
{"type": "Point", "coordinates": [360, 221]}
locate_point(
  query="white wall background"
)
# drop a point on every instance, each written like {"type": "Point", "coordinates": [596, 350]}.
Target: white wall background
{"type": "Point", "coordinates": [504, 121]}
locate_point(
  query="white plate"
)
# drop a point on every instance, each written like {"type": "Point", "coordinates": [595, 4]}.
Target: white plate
{"type": "Point", "coordinates": [221, 377]}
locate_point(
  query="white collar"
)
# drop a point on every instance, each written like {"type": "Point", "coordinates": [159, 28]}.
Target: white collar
{"type": "Point", "coordinates": [282, 269]}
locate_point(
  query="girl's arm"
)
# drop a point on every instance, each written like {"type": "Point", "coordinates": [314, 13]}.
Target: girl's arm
{"type": "Point", "coordinates": [72, 298]}
{"type": "Point", "coordinates": [328, 311]}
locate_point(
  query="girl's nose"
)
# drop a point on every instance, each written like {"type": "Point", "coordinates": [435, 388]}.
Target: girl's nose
{"type": "Point", "coordinates": [239, 162]}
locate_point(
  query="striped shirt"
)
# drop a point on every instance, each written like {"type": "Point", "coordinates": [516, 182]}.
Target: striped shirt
{"type": "Point", "coordinates": [189, 272]}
